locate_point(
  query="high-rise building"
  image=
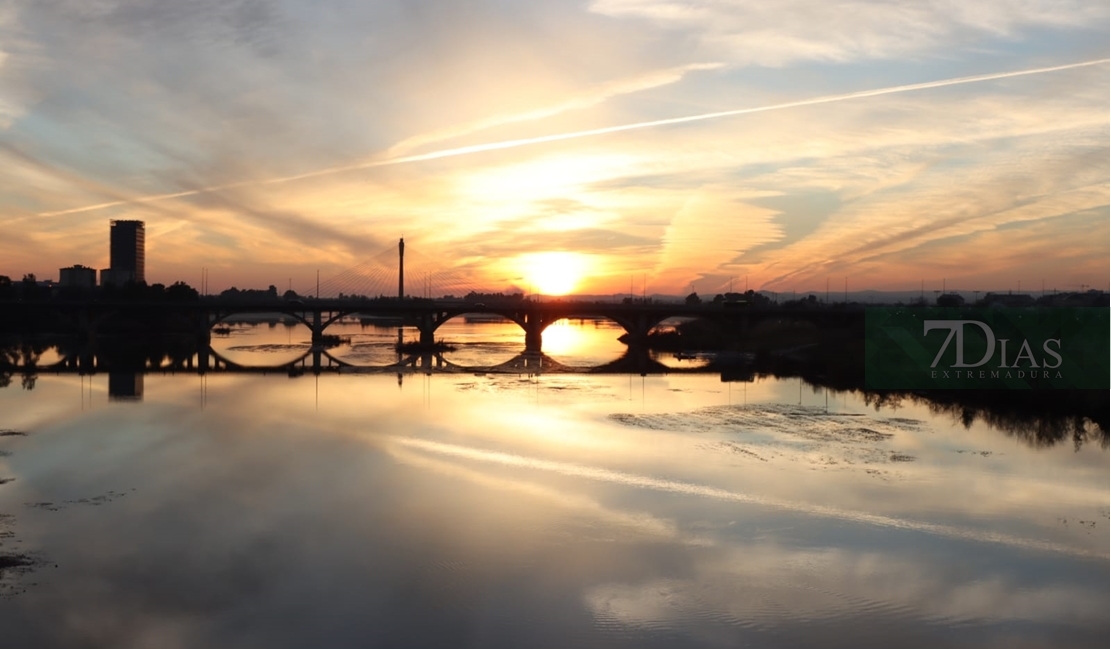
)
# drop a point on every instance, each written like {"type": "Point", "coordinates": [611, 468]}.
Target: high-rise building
{"type": "Point", "coordinates": [77, 276]}
{"type": "Point", "coordinates": [112, 277]}
{"type": "Point", "coordinates": [128, 259]}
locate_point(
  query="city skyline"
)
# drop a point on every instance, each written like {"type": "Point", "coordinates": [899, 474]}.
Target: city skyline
{"type": "Point", "coordinates": [573, 147]}
{"type": "Point", "coordinates": [376, 279]}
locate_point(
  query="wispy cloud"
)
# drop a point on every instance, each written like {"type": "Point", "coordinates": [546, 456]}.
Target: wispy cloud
{"type": "Point", "coordinates": [747, 32]}
{"type": "Point", "coordinates": [870, 238]}
{"type": "Point", "coordinates": [557, 137]}
{"type": "Point", "coordinates": [586, 99]}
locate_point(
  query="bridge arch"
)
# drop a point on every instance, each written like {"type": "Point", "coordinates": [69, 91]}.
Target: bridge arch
{"type": "Point", "coordinates": [492, 343]}
{"type": "Point", "coordinates": [584, 341]}
{"type": "Point", "coordinates": [311, 359]}
{"type": "Point", "coordinates": [219, 317]}
{"type": "Point", "coordinates": [316, 320]}
{"type": "Point", "coordinates": [534, 319]}
{"type": "Point", "coordinates": [637, 326]}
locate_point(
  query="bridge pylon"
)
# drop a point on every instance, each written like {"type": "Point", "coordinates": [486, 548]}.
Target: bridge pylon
{"type": "Point", "coordinates": [401, 269]}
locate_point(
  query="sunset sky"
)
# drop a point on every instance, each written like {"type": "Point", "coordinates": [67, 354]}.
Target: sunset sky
{"type": "Point", "coordinates": [540, 144]}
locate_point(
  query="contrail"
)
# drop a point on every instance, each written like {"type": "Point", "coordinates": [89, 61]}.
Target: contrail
{"type": "Point", "coordinates": [557, 137]}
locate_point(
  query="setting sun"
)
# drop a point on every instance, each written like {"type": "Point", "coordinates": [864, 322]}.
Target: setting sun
{"type": "Point", "coordinates": [553, 273]}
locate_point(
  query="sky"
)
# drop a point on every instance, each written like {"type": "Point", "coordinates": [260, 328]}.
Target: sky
{"type": "Point", "coordinates": [593, 146]}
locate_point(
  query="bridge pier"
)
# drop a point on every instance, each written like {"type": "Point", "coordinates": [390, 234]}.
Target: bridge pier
{"type": "Point", "coordinates": [203, 358]}
{"type": "Point", "coordinates": [204, 330]}
{"type": "Point", "coordinates": [87, 362]}
{"type": "Point", "coordinates": [427, 328]}
{"type": "Point", "coordinates": [317, 337]}
{"type": "Point", "coordinates": [534, 333]}
{"type": "Point", "coordinates": [638, 333]}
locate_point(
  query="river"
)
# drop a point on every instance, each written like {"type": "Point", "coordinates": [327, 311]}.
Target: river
{"type": "Point", "coordinates": [564, 509]}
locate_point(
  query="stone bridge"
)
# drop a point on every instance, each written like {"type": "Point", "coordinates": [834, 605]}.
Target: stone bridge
{"type": "Point", "coordinates": [637, 319]}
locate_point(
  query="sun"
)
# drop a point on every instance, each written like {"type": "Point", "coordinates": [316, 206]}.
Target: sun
{"type": "Point", "coordinates": [553, 273]}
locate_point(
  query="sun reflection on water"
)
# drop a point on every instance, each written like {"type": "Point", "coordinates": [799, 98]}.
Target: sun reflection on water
{"type": "Point", "coordinates": [583, 342]}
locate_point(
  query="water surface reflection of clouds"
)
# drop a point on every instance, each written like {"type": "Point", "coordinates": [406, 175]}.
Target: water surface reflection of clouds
{"type": "Point", "coordinates": [533, 511]}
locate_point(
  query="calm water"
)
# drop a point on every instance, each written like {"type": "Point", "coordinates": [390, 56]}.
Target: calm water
{"type": "Point", "coordinates": [505, 510]}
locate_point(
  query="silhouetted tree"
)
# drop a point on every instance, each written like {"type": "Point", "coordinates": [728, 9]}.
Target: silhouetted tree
{"type": "Point", "coordinates": [133, 291]}
{"type": "Point", "coordinates": [181, 292]}
{"type": "Point", "coordinates": [475, 296]}
{"type": "Point", "coordinates": [757, 299]}
{"type": "Point", "coordinates": [29, 287]}
{"type": "Point", "coordinates": [251, 294]}
{"type": "Point", "coordinates": [693, 299]}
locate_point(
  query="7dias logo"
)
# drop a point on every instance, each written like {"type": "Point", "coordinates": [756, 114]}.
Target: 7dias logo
{"type": "Point", "coordinates": [1025, 359]}
{"type": "Point", "coordinates": [929, 348]}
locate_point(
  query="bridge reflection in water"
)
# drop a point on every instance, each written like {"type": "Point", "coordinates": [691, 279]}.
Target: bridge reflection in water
{"type": "Point", "coordinates": [1038, 417]}
{"type": "Point", "coordinates": [126, 375]}
{"type": "Point", "coordinates": [635, 360]}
